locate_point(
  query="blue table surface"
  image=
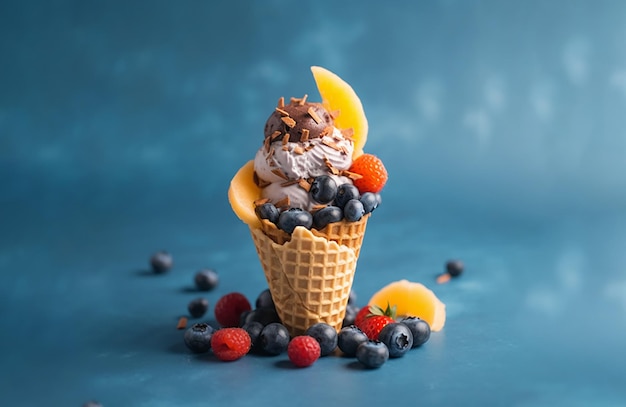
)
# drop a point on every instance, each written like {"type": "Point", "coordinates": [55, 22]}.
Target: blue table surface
{"type": "Point", "coordinates": [501, 125]}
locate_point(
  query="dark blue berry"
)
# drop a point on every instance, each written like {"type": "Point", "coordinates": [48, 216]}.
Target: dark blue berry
{"type": "Point", "coordinates": [253, 329]}
{"type": "Point", "coordinates": [349, 339]}
{"type": "Point", "coordinates": [267, 211]}
{"type": "Point", "coordinates": [345, 192]}
{"type": "Point", "coordinates": [397, 337]}
{"type": "Point", "coordinates": [369, 201]}
{"type": "Point", "coordinates": [274, 339]}
{"type": "Point", "coordinates": [372, 354]}
{"type": "Point", "coordinates": [198, 307]}
{"type": "Point", "coordinates": [206, 279]}
{"type": "Point", "coordinates": [325, 335]}
{"type": "Point", "coordinates": [198, 337]}
{"type": "Point", "coordinates": [379, 199]}
{"type": "Point", "coordinates": [323, 189]}
{"type": "Point", "coordinates": [161, 261]}
{"type": "Point", "coordinates": [92, 403]}
{"type": "Point", "coordinates": [265, 300]}
{"type": "Point", "coordinates": [454, 268]}
{"type": "Point", "coordinates": [291, 218]}
{"type": "Point", "coordinates": [353, 210]}
{"type": "Point", "coordinates": [419, 328]}
{"type": "Point", "coordinates": [350, 316]}
{"type": "Point", "coordinates": [324, 216]}
{"type": "Point", "coordinates": [265, 316]}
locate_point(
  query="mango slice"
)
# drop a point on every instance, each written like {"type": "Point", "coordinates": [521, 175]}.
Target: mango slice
{"type": "Point", "coordinates": [412, 299]}
{"type": "Point", "coordinates": [242, 193]}
{"type": "Point", "coordinates": [337, 95]}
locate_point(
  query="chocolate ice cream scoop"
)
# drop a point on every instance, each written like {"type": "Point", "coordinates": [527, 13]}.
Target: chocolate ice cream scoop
{"type": "Point", "coordinates": [300, 119]}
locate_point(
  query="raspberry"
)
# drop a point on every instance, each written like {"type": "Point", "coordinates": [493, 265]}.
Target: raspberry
{"type": "Point", "coordinates": [230, 344]}
{"type": "Point", "coordinates": [303, 350]}
{"type": "Point", "coordinates": [373, 172]}
{"type": "Point", "coordinates": [229, 308]}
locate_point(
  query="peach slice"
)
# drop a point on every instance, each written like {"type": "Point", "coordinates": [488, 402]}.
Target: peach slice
{"type": "Point", "coordinates": [338, 95]}
{"type": "Point", "coordinates": [412, 299]}
{"type": "Point", "coordinates": [242, 193]}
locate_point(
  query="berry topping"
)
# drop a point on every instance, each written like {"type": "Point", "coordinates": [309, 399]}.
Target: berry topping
{"type": "Point", "coordinates": [323, 189]}
{"type": "Point", "coordinates": [274, 338]}
{"type": "Point", "coordinates": [303, 350]}
{"type": "Point", "coordinates": [326, 215]}
{"type": "Point", "coordinates": [206, 279]}
{"type": "Point", "coordinates": [369, 201]}
{"type": "Point", "coordinates": [372, 354]}
{"type": "Point", "coordinates": [345, 192]}
{"type": "Point", "coordinates": [198, 307]}
{"type": "Point", "coordinates": [290, 219]}
{"type": "Point", "coordinates": [267, 211]}
{"type": "Point", "coordinates": [230, 344]}
{"type": "Point", "coordinates": [454, 268]}
{"type": "Point", "coordinates": [419, 328]}
{"type": "Point", "coordinates": [198, 338]}
{"type": "Point", "coordinates": [397, 337]}
{"type": "Point", "coordinates": [373, 173]}
{"type": "Point", "coordinates": [228, 309]}
{"type": "Point", "coordinates": [325, 335]}
{"type": "Point", "coordinates": [265, 300]}
{"type": "Point", "coordinates": [349, 339]}
{"type": "Point", "coordinates": [353, 211]}
{"type": "Point", "coordinates": [161, 261]}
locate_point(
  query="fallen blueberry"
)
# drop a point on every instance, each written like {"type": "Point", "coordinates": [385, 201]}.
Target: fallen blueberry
{"type": "Point", "coordinates": [206, 279]}
{"type": "Point", "coordinates": [325, 335]}
{"type": "Point", "coordinates": [349, 339]}
{"type": "Point", "coordinates": [265, 300]}
{"type": "Point", "coordinates": [198, 337]}
{"type": "Point", "coordinates": [454, 268]}
{"type": "Point", "coordinates": [198, 307]}
{"type": "Point", "coordinates": [161, 261]}
{"type": "Point", "coordinates": [397, 337]}
{"type": "Point", "coordinates": [419, 328]}
{"type": "Point", "coordinates": [274, 339]}
{"type": "Point", "coordinates": [372, 354]}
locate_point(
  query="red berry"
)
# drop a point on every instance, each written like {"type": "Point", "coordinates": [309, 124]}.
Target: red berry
{"type": "Point", "coordinates": [362, 315]}
{"type": "Point", "coordinates": [303, 350]}
{"type": "Point", "coordinates": [373, 173]}
{"type": "Point", "coordinates": [230, 343]}
{"type": "Point", "coordinates": [373, 325]}
{"type": "Point", "coordinates": [229, 308]}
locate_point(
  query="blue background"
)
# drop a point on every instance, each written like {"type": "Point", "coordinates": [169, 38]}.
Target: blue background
{"type": "Point", "coordinates": [501, 124]}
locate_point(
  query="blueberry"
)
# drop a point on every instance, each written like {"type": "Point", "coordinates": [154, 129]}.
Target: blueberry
{"type": "Point", "coordinates": [349, 339]}
{"type": "Point", "coordinates": [325, 335]}
{"type": "Point", "coordinates": [92, 403]}
{"type": "Point", "coordinates": [454, 268]}
{"type": "Point", "coordinates": [161, 261]}
{"type": "Point", "coordinates": [345, 192]}
{"type": "Point", "coordinates": [419, 328]}
{"type": "Point", "coordinates": [267, 211]}
{"type": "Point", "coordinates": [265, 300]}
{"type": "Point", "coordinates": [350, 316]}
{"type": "Point", "coordinates": [274, 338]}
{"type": "Point", "coordinates": [198, 307]}
{"type": "Point", "coordinates": [352, 298]}
{"type": "Point", "coordinates": [369, 201]}
{"type": "Point", "coordinates": [323, 189]}
{"type": "Point", "coordinates": [379, 199]}
{"type": "Point", "coordinates": [264, 316]}
{"type": "Point", "coordinates": [353, 211]}
{"type": "Point", "coordinates": [253, 329]}
{"type": "Point", "coordinates": [198, 338]}
{"type": "Point", "coordinates": [397, 337]}
{"type": "Point", "coordinates": [372, 354]}
{"type": "Point", "coordinates": [289, 219]}
{"type": "Point", "coordinates": [324, 216]}
{"type": "Point", "coordinates": [206, 279]}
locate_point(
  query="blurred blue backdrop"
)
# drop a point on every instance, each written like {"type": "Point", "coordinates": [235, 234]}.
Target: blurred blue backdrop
{"type": "Point", "coordinates": [501, 124]}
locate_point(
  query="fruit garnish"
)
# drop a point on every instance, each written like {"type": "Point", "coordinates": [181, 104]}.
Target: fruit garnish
{"type": "Point", "coordinates": [337, 95]}
{"type": "Point", "coordinates": [242, 193]}
{"type": "Point", "coordinates": [412, 299]}
{"type": "Point", "coordinates": [376, 319]}
{"type": "Point", "coordinates": [230, 344]}
{"type": "Point", "coordinates": [372, 171]}
{"type": "Point", "coordinates": [303, 350]}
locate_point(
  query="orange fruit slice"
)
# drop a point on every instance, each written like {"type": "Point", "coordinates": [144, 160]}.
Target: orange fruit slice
{"type": "Point", "coordinates": [412, 299]}
{"type": "Point", "coordinates": [242, 193]}
{"type": "Point", "coordinates": [338, 95]}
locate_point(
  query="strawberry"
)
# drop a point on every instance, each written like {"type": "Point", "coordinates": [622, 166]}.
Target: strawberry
{"type": "Point", "coordinates": [230, 344]}
{"type": "Point", "coordinates": [375, 320]}
{"type": "Point", "coordinates": [228, 309]}
{"type": "Point", "coordinates": [303, 350]}
{"type": "Point", "coordinates": [372, 171]}
{"type": "Point", "coordinates": [362, 315]}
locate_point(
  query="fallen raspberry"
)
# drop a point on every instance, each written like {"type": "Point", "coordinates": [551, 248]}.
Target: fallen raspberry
{"type": "Point", "coordinates": [229, 308]}
{"type": "Point", "coordinates": [303, 350]}
{"type": "Point", "coordinates": [230, 344]}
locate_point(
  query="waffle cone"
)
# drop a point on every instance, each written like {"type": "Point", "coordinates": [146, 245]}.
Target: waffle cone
{"type": "Point", "coordinates": [310, 272]}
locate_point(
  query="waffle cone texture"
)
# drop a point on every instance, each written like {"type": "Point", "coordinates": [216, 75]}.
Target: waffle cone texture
{"type": "Point", "coordinates": [310, 272]}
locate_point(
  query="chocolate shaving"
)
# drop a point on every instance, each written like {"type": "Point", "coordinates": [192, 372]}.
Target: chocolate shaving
{"type": "Point", "coordinates": [275, 135]}
{"type": "Point", "coordinates": [305, 135]}
{"type": "Point", "coordinates": [282, 112]}
{"type": "Point", "coordinates": [330, 166]}
{"type": "Point", "coordinates": [347, 133]}
{"type": "Point", "coordinates": [298, 150]}
{"type": "Point", "coordinates": [289, 183]}
{"type": "Point", "coordinates": [182, 323]}
{"type": "Point", "coordinates": [283, 203]}
{"type": "Point", "coordinates": [261, 201]}
{"type": "Point", "coordinates": [285, 147]}
{"type": "Point", "coordinates": [327, 130]}
{"type": "Point", "coordinates": [352, 175]}
{"type": "Point", "coordinates": [281, 102]}
{"type": "Point", "coordinates": [316, 208]}
{"type": "Point", "coordinates": [288, 121]}
{"type": "Point", "coordinates": [304, 184]}
{"type": "Point", "coordinates": [285, 139]}
{"type": "Point", "coordinates": [314, 115]}
{"type": "Point", "coordinates": [260, 182]}
{"type": "Point", "coordinates": [266, 144]}
{"type": "Point", "coordinates": [334, 114]}
{"type": "Point", "coordinates": [332, 145]}
{"type": "Point", "coordinates": [278, 172]}
{"type": "Point", "coordinates": [303, 100]}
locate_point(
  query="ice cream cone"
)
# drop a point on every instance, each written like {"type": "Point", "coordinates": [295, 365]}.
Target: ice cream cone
{"type": "Point", "coordinates": [310, 272]}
